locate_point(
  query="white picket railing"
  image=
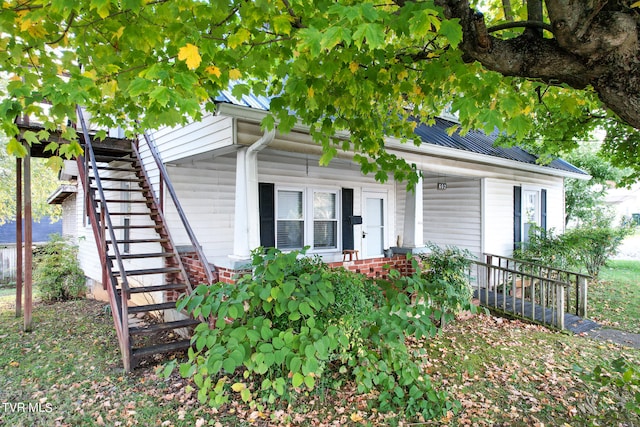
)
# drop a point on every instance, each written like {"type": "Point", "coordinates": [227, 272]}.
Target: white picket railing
{"type": "Point", "coordinates": [528, 290]}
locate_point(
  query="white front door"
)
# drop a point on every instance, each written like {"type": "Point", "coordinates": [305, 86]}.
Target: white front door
{"type": "Point", "coordinates": [373, 227]}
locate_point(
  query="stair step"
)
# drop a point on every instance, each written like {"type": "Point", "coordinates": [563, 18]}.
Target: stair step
{"type": "Point", "coordinates": [140, 241]}
{"type": "Point", "coordinates": [166, 326]}
{"type": "Point", "coordinates": [108, 159]}
{"type": "Point", "coordinates": [108, 178]}
{"type": "Point", "coordinates": [137, 190]}
{"type": "Point", "coordinates": [116, 169]}
{"type": "Point", "coordinates": [157, 288]}
{"type": "Point", "coordinates": [146, 271]}
{"type": "Point", "coordinates": [127, 201]}
{"type": "Point", "coordinates": [122, 227]}
{"type": "Point", "coordinates": [152, 307]}
{"type": "Point", "coordinates": [148, 255]}
{"type": "Point", "coordinates": [131, 213]}
{"type": "Point", "coordinates": [137, 353]}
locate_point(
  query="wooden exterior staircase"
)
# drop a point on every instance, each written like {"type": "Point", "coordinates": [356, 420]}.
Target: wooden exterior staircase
{"type": "Point", "coordinates": [141, 266]}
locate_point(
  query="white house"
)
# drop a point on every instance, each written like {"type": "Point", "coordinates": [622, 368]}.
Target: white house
{"type": "Point", "coordinates": [240, 188]}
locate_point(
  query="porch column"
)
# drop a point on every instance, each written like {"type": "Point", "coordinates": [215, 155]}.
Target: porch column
{"type": "Point", "coordinates": [413, 219]}
{"type": "Point", "coordinates": [19, 237]}
{"type": "Point", "coordinates": [246, 229]}
{"type": "Point", "coordinates": [28, 243]}
{"type": "Point", "coordinates": [244, 192]}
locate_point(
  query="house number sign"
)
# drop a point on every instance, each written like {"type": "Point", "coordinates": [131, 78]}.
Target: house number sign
{"type": "Point", "coordinates": [442, 186]}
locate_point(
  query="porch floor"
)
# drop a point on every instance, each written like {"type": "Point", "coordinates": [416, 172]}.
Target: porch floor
{"type": "Point", "coordinates": [494, 300]}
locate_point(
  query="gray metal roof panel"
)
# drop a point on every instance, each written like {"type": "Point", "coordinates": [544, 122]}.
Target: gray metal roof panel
{"type": "Point", "coordinates": [474, 141]}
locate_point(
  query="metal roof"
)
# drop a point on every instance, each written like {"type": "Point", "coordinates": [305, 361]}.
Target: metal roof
{"type": "Point", "coordinates": [479, 142]}
{"type": "Point", "coordinates": [473, 141]}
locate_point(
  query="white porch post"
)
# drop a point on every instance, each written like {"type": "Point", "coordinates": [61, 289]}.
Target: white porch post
{"type": "Point", "coordinates": [246, 228]}
{"type": "Point", "coordinates": [246, 208]}
{"type": "Point", "coordinates": [413, 220]}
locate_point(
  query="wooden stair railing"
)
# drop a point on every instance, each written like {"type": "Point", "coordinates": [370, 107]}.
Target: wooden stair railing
{"type": "Point", "coordinates": [122, 278]}
{"type": "Point", "coordinates": [209, 269]}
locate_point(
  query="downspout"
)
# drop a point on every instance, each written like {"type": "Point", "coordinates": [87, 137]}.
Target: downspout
{"type": "Point", "coordinates": [247, 233]}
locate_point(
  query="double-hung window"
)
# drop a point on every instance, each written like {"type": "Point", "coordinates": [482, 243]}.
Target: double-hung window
{"type": "Point", "coordinates": [306, 217]}
{"type": "Point", "coordinates": [325, 220]}
{"type": "Point", "coordinates": [290, 219]}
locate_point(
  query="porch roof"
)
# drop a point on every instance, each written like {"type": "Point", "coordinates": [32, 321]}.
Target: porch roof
{"type": "Point", "coordinates": [474, 141]}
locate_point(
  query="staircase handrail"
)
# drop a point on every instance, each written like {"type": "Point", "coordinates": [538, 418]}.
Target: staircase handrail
{"type": "Point", "coordinates": [103, 200]}
{"type": "Point", "coordinates": [185, 222]}
{"type": "Point", "coordinates": [521, 261]}
{"type": "Point", "coordinates": [124, 283]}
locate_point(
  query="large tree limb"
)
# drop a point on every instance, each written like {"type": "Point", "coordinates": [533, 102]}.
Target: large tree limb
{"type": "Point", "coordinates": [595, 43]}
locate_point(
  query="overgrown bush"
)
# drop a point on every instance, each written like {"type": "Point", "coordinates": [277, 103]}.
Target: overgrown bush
{"type": "Point", "coordinates": [57, 272]}
{"type": "Point", "coordinates": [587, 247]}
{"type": "Point", "coordinates": [446, 271]}
{"type": "Point", "coordinates": [295, 323]}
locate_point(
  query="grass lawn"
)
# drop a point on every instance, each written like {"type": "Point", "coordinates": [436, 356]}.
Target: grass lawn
{"type": "Point", "coordinates": [503, 372]}
{"type": "Point", "coordinates": [614, 300]}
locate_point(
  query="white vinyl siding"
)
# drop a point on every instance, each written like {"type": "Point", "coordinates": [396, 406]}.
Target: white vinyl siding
{"type": "Point", "coordinates": [498, 205]}
{"type": "Point", "coordinates": [206, 191]}
{"type": "Point", "coordinates": [195, 140]}
{"type": "Point", "coordinates": [453, 216]}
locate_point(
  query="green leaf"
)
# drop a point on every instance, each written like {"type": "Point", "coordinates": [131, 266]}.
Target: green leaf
{"type": "Point", "coordinates": [309, 381]}
{"type": "Point", "coordinates": [30, 137]}
{"type": "Point", "coordinates": [451, 29]}
{"type": "Point", "coordinates": [245, 395]}
{"type": "Point", "coordinates": [297, 379]}
{"type": "Point", "coordinates": [305, 309]}
{"type": "Point", "coordinates": [296, 364]}
{"type": "Point", "coordinates": [373, 34]}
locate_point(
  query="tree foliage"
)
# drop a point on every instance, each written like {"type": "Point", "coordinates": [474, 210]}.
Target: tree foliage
{"type": "Point", "coordinates": [359, 66]}
{"type": "Point", "coordinates": [584, 199]}
{"type": "Point", "coordinates": [44, 182]}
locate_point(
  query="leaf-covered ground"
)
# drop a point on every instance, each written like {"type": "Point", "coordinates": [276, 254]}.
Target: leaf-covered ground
{"type": "Point", "coordinates": [614, 300]}
{"type": "Point", "coordinates": [503, 372]}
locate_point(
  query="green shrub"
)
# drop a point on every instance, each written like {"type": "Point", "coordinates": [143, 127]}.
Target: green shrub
{"type": "Point", "coordinates": [587, 247]}
{"type": "Point", "coordinates": [547, 248]}
{"type": "Point", "coordinates": [446, 272]}
{"type": "Point", "coordinates": [57, 273]}
{"type": "Point", "coordinates": [295, 323]}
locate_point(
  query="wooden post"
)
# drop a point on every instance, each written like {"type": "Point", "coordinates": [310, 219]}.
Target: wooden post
{"type": "Point", "coordinates": [18, 237]}
{"type": "Point", "coordinates": [28, 243]}
{"type": "Point", "coordinates": [582, 302]}
{"type": "Point", "coordinates": [560, 305]}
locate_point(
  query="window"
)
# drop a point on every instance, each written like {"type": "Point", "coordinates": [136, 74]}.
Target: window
{"type": "Point", "coordinates": [290, 220]}
{"type": "Point", "coordinates": [530, 212]}
{"type": "Point", "coordinates": [325, 220]}
{"type": "Point", "coordinates": [306, 218]}
{"type": "Point", "coordinates": [529, 209]}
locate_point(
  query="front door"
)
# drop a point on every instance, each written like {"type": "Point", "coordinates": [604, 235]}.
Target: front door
{"type": "Point", "coordinates": [373, 227]}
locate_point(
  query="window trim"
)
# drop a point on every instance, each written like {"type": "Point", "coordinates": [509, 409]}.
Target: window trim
{"type": "Point", "coordinates": [308, 216]}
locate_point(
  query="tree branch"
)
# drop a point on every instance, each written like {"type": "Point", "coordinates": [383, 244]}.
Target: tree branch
{"type": "Point", "coordinates": [521, 24]}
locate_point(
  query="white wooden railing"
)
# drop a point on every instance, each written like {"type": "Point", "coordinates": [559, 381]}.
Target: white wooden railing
{"type": "Point", "coordinates": [524, 289]}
